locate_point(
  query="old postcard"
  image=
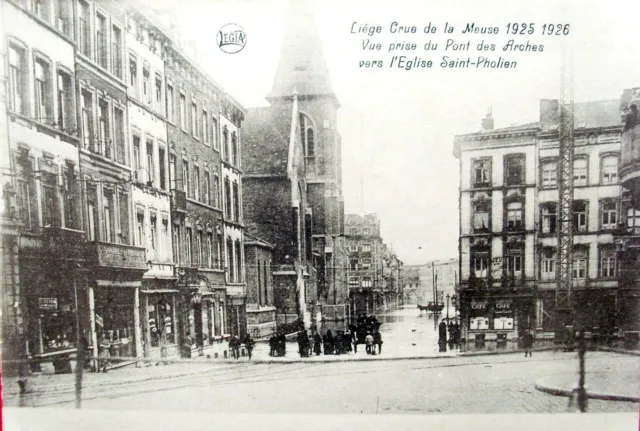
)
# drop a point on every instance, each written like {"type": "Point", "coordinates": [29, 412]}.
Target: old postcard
{"type": "Point", "coordinates": [330, 214]}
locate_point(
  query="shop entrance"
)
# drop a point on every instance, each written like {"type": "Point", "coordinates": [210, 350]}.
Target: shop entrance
{"type": "Point", "coordinates": [114, 316]}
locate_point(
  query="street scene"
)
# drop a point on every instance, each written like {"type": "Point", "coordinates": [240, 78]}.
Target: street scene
{"type": "Point", "coordinates": [208, 208]}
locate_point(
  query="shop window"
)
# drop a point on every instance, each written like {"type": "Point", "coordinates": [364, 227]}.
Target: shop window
{"type": "Point", "coordinates": [580, 216]}
{"type": "Point", "coordinates": [549, 218]}
{"type": "Point", "coordinates": [609, 214]}
{"type": "Point", "coordinates": [514, 216]}
{"type": "Point", "coordinates": [17, 79]}
{"type": "Point", "coordinates": [580, 171]}
{"type": "Point", "coordinates": [579, 269]}
{"type": "Point", "coordinates": [482, 172]}
{"type": "Point", "coordinates": [514, 170]}
{"type": "Point", "coordinates": [549, 174]}
{"type": "Point", "coordinates": [548, 264]}
{"type": "Point", "coordinates": [54, 320]}
{"type": "Point", "coordinates": [609, 169]}
{"type": "Point", "coordinates": [608, 267]}
{"type": "Point", "coordinates": [161, 323]}
{"type": "Point", "coordinates": [481, 213]}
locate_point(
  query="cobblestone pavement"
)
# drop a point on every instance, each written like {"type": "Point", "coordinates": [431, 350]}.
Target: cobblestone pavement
{"type": "Point", "coordinates": [484, 384]}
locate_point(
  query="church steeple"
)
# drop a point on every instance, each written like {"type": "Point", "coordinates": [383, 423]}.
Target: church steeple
{"type": "Point", "coordinates": [302, 67]}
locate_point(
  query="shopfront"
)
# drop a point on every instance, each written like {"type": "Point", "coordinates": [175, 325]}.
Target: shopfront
{"type": "Point", "coordinates": [205, 321]}
{"type": "Point", "coordinates": [159, 320]}
{"type": "Point", "coordinates": [115, 310]}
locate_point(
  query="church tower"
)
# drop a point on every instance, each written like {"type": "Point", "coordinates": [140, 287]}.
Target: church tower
{"type": "Point", "coordinates": [302, 70]}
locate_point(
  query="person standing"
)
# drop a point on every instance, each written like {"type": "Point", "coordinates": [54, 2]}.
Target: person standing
{"type": "Point", "coordinates": [369, 343]}
{"type": "Point", "coordinates": [527, 343]}
{"type": "Point", "coordinates": [442, 332]}
{"type": "Point", "coordinates": [317, 344]}
{"type": "Point", "coordinates": [248, 344]}
{"type": "Point", "coordinates": [377, 339]}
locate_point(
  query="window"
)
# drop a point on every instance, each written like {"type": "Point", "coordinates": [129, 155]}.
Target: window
{"type": "Point", "coordinates": [160, 315]}
{"type": "Point", "coordinates": [101, 41]}
{"type": "Point", "coordinates": [118, 122]}
{"type": "Point", "coordinates": [183, 111]}
{"type": "Point", "coordinates": [41, 9]}
{"type": "Point", "coordinates": [514, 216]}
{"type": "Point", "coordinates": [17, 79]}
{"type": "Point", "coordinates": [92, 213]}
{"type": "Point", "coordinates": [236, 202]}
{"type": "Point", "coordinates": [219, 257]}
{"type": "Point", "coordinates": [306, 136]}
{"type": "Point", "coordinates": [146, 85]}
{"type": "Point", "coordinates": [353, 231]}
{"type": "Point", "coordinates": [104, 142]}
{"type": "Point", "coordinates": [205, 127]}
{"type": "Point", "coordinates": [133, 76]}
{"type": "Point", "coordinates": [136, 155]}
{"type": "Point", "coordinates": [172, 171]}
{"type": "Point", "coordinates": [481, 217]}
{"type": "Point", "coordinates": [353, 264]}
{"type": "Point", "coordinates": [108, 215]}
{"type": "Point", "coordinates": [609, 170]}
{"type": "Point", "coordinates": [216, 191]}
{"type": "Point", "coordinates": [580, 171]}
{"type": "Point", "coordinates": [199, 249]}
{"type": "Point", "coordinates": [84, 31]}
{"type": "Point", "coordinates": [162, 168]}
{"type": "Point", "coordinates": [230, 265]}
{"type": "Point", "coordinates": [151, 168]}
{"type": "Point", "coordinates": [70, 198]}
{"type": "Point", "coordinates": [366, 263]}
{"type": "Point", "coordinates": [482, 172]}
{"type": "Point", "coordinates": [366, 248]}
{"type": "Point", "coordinates": [633, 221]}
{"type": "Point", "coordinates": [87, 119]}
{"type": "Point", "coordinates": [170, 101]}
{"type": "Point", "coordinates": [514, 172]}
{"type": "Point", "coordinates": [42, 91]}
{"type": "Point", "coordinates": [124, 218]}
{"type": "Point", "coordinates": [514, 263]}
{"type": "Point", "coordinates": [239, 277]}
{"type": "Point", "coordinates": [194, 119]}
{"type": "Point", "coordinates": [153, 239]}
{"type": "Point", "coordinates": [607, 263]}
{"type": "Point", "coordinates": [188, 245]}
{"type": "Point", "coordinates": [609, 211]}
{"type": "Point", "coordinates": [549, 174]}
{"type": "Point", "coordinates": [480, 265]}
{"type": "Point", "coordinates": [62, 15]}
{"type": "Point", "coordinates": [159, 93]}
{"type": "Point", "coordinates": [65, 102]}
{"type": "Point", "coordinates": [579, 268]}
{"type": "Point", "coordinates": [549, 218]}
{"type": "Point", "coordinates": [185, 178]}
{"type": "Point", "coordinates": [209, 261]}
{"type": "Point", "coordinates": [164, 239]}
{"type": "Point", "coordinates": [177, 245]}
{"type": "Point", "coordinates": [225, 144]}
{"type": "Point", "coordinates": [116, 51]}
{"type": "Point", "coordinates": [206, 192]}
{"type": "Point", "coordinates": [548, 263]}
{"type": "Point", "coordinates": [580, 216]}
{"type": "Point", "coordinates": [49, 200]}
{"type": "Point", "coordinates": [196, 183]}
{"type": "Point", "coordinates": [140, 235]}
{"type": "Point", "coordinates": [366, 282]}
{"type": "Point", "coordinates": [354, 281]}
{"type": "Point", "coordinates": [227, 194]}
{"type": "Point", "coordinates": [234, 148]}
{"type": "Point", "coordinates": [214, 133]}
{"type": "Point", "coordinates": [353, 246]}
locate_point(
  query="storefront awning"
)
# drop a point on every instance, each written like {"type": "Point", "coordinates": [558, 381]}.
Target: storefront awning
{"type": "Point", "coordinates": [159, 291]}
{"type": "Point", "coordinates": [112, 283]}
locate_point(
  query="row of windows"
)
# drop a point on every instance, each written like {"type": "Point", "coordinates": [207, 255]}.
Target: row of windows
{"type": "Point", "coordinates": [513, 264]}
{"type": "Point", "coordinates": [359, 264]}
{"type": "Point", "coordinates": [513, 217]}
{"type": "Point", "coordinates": [514, 171]}
{"type": "Point", "coordinates": [354, 231]}
{"type": "Point", "coordinates": [103, 125]}
{"type": "Point", "coordinates": [360, 282]}
{"type": "Point", "coordinates": [362, 248]}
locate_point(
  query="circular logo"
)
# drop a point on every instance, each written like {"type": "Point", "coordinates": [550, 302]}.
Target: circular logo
{"type": "Point", "coordinates": [231, 38]}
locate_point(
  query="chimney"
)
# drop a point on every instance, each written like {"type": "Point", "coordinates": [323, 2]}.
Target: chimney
{"type": "Point", "coordinates": [487, 122]}
{"type": "Point", "coordinates": [548, 112]}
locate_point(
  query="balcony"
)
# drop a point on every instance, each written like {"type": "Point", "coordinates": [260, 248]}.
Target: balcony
{"type": "Point", "coordinates": [178, 201]}
{"type": "Point", "coordinates": [117, 256]}
{"type": "Point", "coordinates": [630, 162]}
{"type": "Point", "coordinates": [66, 243]}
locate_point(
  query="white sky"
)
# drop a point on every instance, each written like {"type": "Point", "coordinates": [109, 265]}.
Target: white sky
{"type": "Point", "coordinates": [402, 156]}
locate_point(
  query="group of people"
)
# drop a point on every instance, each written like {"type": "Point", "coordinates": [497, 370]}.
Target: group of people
{"type": "Point", "coordinates": [235, 343]}
{"type": "Point", "coordinates": [277, 345]}
{"type": "Point", "coordinates": [452, 330]}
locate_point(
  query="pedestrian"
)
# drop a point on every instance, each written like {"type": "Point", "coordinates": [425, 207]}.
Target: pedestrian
{"type": "Point", "coordinates": [377, 338]}
{"type": "Point", "coordinates": [456, 331]}
{"type": "Point", "coordinates": [282, 344]}
{"type": "Point", "coordinates": [369, 343]}
{"type": "Point", "coordinates": [347, 337]}
{"type": "Point", "coordinates": [527, 343]}
{"type": "Point", "coordinates": [329, 343]}
{"type": "Point", "coordinates": [442, 332]}
{"type": "Point", "coordinates": [104, 353]}
{"type": "Point", "coordinates": [248, 344]}
{"type": "Point", "coordinates": [234, 345]}
{"type": "Point", "coordinates": [272, 345]}
{"type": "Point", "coordinates": [317, 344]}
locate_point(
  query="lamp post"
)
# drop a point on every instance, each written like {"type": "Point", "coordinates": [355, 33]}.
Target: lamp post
{"type": "Point", "coordinates": [448, 307]}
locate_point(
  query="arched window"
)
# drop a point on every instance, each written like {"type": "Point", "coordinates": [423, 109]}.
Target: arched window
{"type": "Point", "coordinates": [307, 136]}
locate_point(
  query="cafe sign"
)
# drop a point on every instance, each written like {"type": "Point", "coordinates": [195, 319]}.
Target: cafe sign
{"type": "Point", "coordinates": [48, 303]}
{"type": "Point", "coordinates": [503, 305]}
{"type": "Point", "coordinates": [479, 305]}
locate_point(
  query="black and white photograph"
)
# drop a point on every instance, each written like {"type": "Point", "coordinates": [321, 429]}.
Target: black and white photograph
{"type": "Point", "coordinates": [319, 214]}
